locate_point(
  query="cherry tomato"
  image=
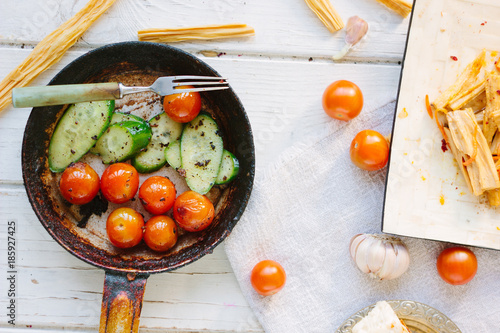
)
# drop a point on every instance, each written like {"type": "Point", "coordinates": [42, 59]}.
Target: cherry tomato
{"type": "Point", "coordinates": [182, 107]}
{"type": "Point", "coordinates": [193, 211]}
{"type": "Point", "coordinates": [160, 233]}
{"type": "Point", "coordinates": [457, 265]}
{"type": "Point", "coordinates": [342, 100]}
{"type": "Point", "coordinates": [268, 277]}
{"type": "Point", "coordinates": [157, 194]}
{"type": "Point", "coordinates": [124, 227]}
{"type": "Point", "coordinates": [119, 182]}
{"type": "Point", "coordinates": [369, 150]}
{"type": "Point", "coordinates": [79, 183]}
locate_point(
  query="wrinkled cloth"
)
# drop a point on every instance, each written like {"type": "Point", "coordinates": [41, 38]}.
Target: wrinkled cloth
{"type": "Point", "coordinates": [304, 211]}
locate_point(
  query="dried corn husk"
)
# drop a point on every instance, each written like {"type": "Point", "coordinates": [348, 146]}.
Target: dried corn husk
{"type": "Point", "coordinates": [472, 152]}
{"type": "Point", "coordinates": [469, 85]}
{"type": "Point", "coordinates": [401, 7]}
{"type": "Point", "coordinates": [493, 98]}
{"type": "Point", "coordinates": [51, 49]}
{"type": "Point", "coordinates": [494, 197]}
{"type": "Point", "coordinates": [326, 13]}
{"type": "Point", "coordinates": [207, 32]}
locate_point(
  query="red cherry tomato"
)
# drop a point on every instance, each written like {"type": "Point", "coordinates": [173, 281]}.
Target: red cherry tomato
{"type": "Point", "coordinates": [268, 277]}
{"type": "Point", "coordinates": [79, 183]}
{"type": "Point", "coordinates": [157, 194]}
{"type": "Point", "coordinates": [457, 265]}
{"type": "Point", "coordinates": [369, 150]}
{"type": "Point", "coordinates": [342, 100]}
{"type": "Point", "coordinates": [124, 227]}
{"type": "Point", "coordinates": [182, 107]}
{"type": "Point", "coordinates": [193, 211]}
{"type": "Point", "coordinates": [160, 233]}
{"type": "Point", "coordinates": [119, 182]}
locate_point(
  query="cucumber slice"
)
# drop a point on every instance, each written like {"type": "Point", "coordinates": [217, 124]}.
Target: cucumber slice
{"type": "Point", "coordinates": [120, 117]}
{"type": "Point", "coordinates": [165, 131]}
{"type": "Point", "coordinates": [201, 153]}
{"type": "Point", "coordinates": [229, 168]}
{"type": "Point", "coordinates": [122, 141]}
{"type": "Point", "coordinates": [173, 154]}
{"type": "Point", "coordinates": [77, 131]}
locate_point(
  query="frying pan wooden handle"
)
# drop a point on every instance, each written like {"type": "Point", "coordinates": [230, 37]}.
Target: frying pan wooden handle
{"type": "Point", "coordinates": [121, 302]}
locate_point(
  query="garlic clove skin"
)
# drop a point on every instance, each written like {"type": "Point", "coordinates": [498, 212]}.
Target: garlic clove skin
{"type": "Point", "coordinates": [356, 29]}
{"type": "Point", "coordinates": [380, 256]}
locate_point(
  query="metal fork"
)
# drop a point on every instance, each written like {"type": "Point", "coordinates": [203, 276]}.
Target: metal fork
{"type": "Point", "coordinates": [73, 93]}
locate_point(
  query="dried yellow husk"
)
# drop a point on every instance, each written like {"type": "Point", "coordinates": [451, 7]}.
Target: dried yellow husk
{"type": "Point", "coordinates": [492, 109]}
{"type": "Point", "coordinates": [206, 32]}
{"type": "Point", "coordinates": [51, 49]}
{"type": "Point", "coordinates": [469, 144]}
{"type": "Point", "coordinates": [466, 86]}
{"type": "Point", "coordinates": [326, 13]}
{"type": "Point", "coordinates": [401, 7]}
{"type": "Point", "coordinates": [494, 197]}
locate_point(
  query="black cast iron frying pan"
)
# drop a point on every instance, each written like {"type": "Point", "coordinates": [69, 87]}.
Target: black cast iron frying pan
{"type": "Point", "coordinates": [80, 229]}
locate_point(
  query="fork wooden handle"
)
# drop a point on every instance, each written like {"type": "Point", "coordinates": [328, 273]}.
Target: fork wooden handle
{"type": "Point", "coordinates": [64, 94]}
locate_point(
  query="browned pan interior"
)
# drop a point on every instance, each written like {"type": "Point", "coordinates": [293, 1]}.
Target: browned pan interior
{"type": "Point", "coordinates": [81, 230]}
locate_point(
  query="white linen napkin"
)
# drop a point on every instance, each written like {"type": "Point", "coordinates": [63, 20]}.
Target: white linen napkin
{"type": "Point", "coordinates": [303, 213]}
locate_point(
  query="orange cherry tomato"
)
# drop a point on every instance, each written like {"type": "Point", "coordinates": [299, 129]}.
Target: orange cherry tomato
{"type": "Point", "coordinates": [193, 211]}
{"type": "Point", "coordinates": [124, 227]}
{"type": "Point", "coordinates": [157, 194]}
{"type": "Point", "coordinates": [160, 233]}
{"type": "Point", "coordinates": [369, 150]}
{"type": "Point", "coordinates": [268, 277]}
{"type": "Point", "coordinates": [342, 100]}
{"type": "Point", "coordinates": [79, 183]}
{"type": "Point", "coordinates": [119, 182]}
{"type": "Point", "coordinates": [182, 107]}
{"type": "Point", "coordinates": [457, 265]}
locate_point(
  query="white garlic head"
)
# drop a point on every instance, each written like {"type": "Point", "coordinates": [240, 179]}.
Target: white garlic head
{"type": "Point", "coordinates": [381, 256]}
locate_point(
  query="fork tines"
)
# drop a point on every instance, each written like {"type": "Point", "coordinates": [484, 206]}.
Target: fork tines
{"type": "Point", "coordinates": [201, 83]}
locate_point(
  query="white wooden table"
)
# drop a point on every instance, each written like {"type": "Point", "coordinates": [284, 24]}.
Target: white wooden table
{"type": "Point", "coordinates": [279, 74]}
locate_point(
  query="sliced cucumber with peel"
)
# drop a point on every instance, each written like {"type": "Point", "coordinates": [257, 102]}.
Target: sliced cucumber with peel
{"type": "Point", "coordinates": [123, 140]}
{"type": "Point", "coordinates": [120, 117]}
{"type": "Point", "coordinates": [165, 131]}
{"type": "Point", "coordinates": [229, 168]}
{"type": "Point", "coordinates": [173, 154]}
{"type": "Point", "coordinates": [201, 153]}
{"type": "Point", "coordinates": [77, 131]}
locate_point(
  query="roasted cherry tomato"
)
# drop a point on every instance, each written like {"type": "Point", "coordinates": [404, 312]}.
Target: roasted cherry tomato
{"type": "Point", "coordinates": [160, 233]}
{"type": "Point", "coordinates": [119, 182]}
{"type": "Point", "coordinates": [79, 183]}
{"type": "Point", "coordinates": [193, 211]}
{"type": "Point", "coordinates": [342, 100]}
{"type": "Point", "coordinates": [457, 265]}
{"type": "Point", "coordinates": [268, 277]}
{"type": "Point", "coordinates": [182, 107]}
{"type": "Point", "coordinates": [157, 194]}
{"type": "Point", "coordinates": [124, 227]}
{"type": "Point", "coordinates": [369, 150]}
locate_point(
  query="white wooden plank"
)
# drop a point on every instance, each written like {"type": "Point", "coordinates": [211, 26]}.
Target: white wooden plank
{"type": "Point", "coordinates": [283, 27]}
{"type": "Point", "coordinates": [282, 99]}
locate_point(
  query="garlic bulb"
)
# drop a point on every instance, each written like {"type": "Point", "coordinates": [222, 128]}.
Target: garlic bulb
{"type": "Point", "coordinates": [380, 256]}
{"type": "Point", "coordinates": [355, 30]}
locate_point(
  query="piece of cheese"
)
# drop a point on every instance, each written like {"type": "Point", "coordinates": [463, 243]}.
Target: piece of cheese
{"type": "Point", "coordinates": [381, 319]}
